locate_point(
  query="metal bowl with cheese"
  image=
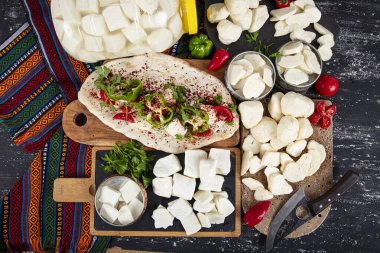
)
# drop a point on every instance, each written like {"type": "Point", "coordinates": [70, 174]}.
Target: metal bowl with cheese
{"type": "Point", "coordinates": [250, 76]}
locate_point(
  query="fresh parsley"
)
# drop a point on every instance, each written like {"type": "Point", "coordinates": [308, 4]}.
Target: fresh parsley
{"type": "Point", "coordinates": [260, 46]}
{"type": "Point", "coordinates": [179, 137]}
{"type": "Point", "coordinates": [232, 107]}
{"type": "Point", "coordinates": [129, 158]}
{"type": "Point", "coordinates": [218, 99]}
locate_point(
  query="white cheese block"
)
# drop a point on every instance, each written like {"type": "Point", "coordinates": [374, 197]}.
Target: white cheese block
{"type": "Point", "coordinates": [270, 170]}
{"type": "Point", "coordinates": [295, 148]}
{"type": "Point", "coordinates": [183, 186]}
{"type": "Point", "coordinates": [244, 20]}
{"type": "Point", "coordinates": [301, 19]}
{"type": "Point", "coordinates": [224, 206]}
{"type": "Point", "coordinates": [163, 186]}
{"type": "Point", "coordinates": [215, 218]}
{"type": "Point", "coordinates": [287, 129]}
{"type": "Point", "coordinates": [129, 190]}
{"type": "Point", "coordinates": [255, 165]}
{"type": "Point", "coordinates": [250, 144]}
{"type": "Point", "coordinates": [114, 18]}
{"type": "Point", "coordinates": [312, 62]}
{"type": "Point", "coordinates": [104, 3]}
{"type": "Point", "coordinates": [251, 183]}
{"type": "Point", "coordinates": [72, 38]}
{"type": "Point", "coordinates": [262, 194]}
{"type": "Point", "coordinates": [315, 164]}
{"type": "Point", "coordinates": [207, 169]}
{"type": "Point", "coordinates": [274, 106]}
{"type": "Point", "coordinates": [266, 147]}
{"type": "Point", "coordinates": [94, 24]}
{"type": "Point", "coordinates": [325, 52]}
{"type": "Point", "coordinates": [285, 159]}
{"type": "Point", "coordinates": [203, 197]}
{"type": "Point", "coordinates": [327, 39]}
{"type": "Point", "coordinates": [256, 60]}
{"type": "Point", "coordinates": [203, 207]}
{"type": "Point", "coordinates": [296, 76]}
{"type": "Point", "coordinates": [157, 20]}
{"type": "Point", "coordinates": [281, 28]}
{"type": "Point", "coordinates": [114, 42]}
{"type": "Point", "coordinates": [253, 88]}
{"type": "Point", "coordinates": [302, 3]}
{"type": "Point", "coordinates": [313, 12]}
{"type": "Point", "coordinates": [259, 16]}
{"type": "Point", "coordinates": [171, 7]}
{"type": "Point", "coordinates": [109, 213]}
{"type": "Point", "coordinates": [215, 184]}
{"type": "Point", "coordinates": [248, 68]}
{"type": "Point", "coordinates": [297, 105]}
{"type": "Point", "coordinates": [271, 159]}
{"type": "Point", "coordinates": [217, 12]}
{"type": "Point", "coordinates": [131, 10]}
{"type": "Point", "coordinates": [134, 33]}
{"type": "Point", "coordinates": [265, 130]}
{"type": "Point", "coordinates": [305, 129]}
{"type": "Point", "coordinates": [278, 185]}
{"type": "Point", "coordinates": [125, 215]}
{"type": "Point", "coordinates": [203, 219]}
{"type": "Point", "coordinates": [268, 76]}
{"type": "Point", "coordinates": [167, 166]}
{"type": "Point", "coordinates": [136, 207]}
{"type": "Point", "coordinates": [314, 145]}
{"type": "Point", "coordinates": [251, 114]}
{"type": "Point", "coordinates": [228, 32]}
{"type": "Point", "coordinates": [291, 61]}
{"type": "Point", "coordinates": [175, 26]}
{"type": "Point", "coordinates": [55, 8]}
{"type": "Point", "coordinates": [223, 160]}
{"type": "Point", "coordinates": [293, 173]}
{"type": "Point", "coordinates": [162, 218]}
{"type": "Point", "coordinates": [58, 25]}
{"type": "Point", "coordinates": [292, 48]}
{"type": "Point", "coordinates": [148, 6]}
{"type": "Point", "coordinates": [192, 162]}
{"type": "Point", "coordinates": [160, 39]}
{"type": "Point", "coordinates": [237, 6]}
{"type": "Point", "coordinates": [283, 13]}
{"type": "Point", "coordinates": [87, 6]}
{"type": "Point", "coordinates": [93, 43]}
{"type": "Point", "coordinates": [304, 162]}
{"type": "Point", "coordinates": [321, 29]}
{"type": "Point", "coordinates": [305, 68]}
{"type": "Point", "coordinates": [236, 73]}
{"type": "Point", "coordinates": [180, 208]}
{"type": "Point", "coordinates": [300, 34]}
{"type": "Point", "coordinates": [191, 224]}
{"type": "Point", "coordinates": [109, 196]}
{"type": "Point", "coordinates": [69, 12]}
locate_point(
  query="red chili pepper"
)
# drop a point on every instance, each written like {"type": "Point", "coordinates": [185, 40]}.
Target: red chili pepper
{"type": "Point", "coordinates": [282, 3]}
{"type": "Point", "coordinates": [204, 134]}
{"type": "Point", "coordinates": [223, 113]}
{"type": "Point", "coordinates": [323, 114]}
{"type": "Point", "coordinates": [256, 213]}
{"type": "Point", "coordinates": [104, 97]}
{"type": "Point", "coordinates": [220, 57]}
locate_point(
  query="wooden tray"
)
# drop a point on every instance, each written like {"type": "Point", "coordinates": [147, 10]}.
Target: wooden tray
{"type": "Point", "coordinates": [94, 132]}
{"type": "Point", "coordinates": [83, 190]}
{"type": "Point", "coordinates": [314, 186]}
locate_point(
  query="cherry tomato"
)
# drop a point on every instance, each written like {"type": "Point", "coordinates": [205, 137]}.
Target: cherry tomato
{"type": "Point", "coordinates": [325, 122]}
{"type": "Point", "coordinates": [223, 113]}
{"type": "Point", "coordinates": [314, 119]}
{"type": "Point", "coordinates": [327, 85]}
{"type": "Point", "coordinates": [204, 134]}
{"type": "Point", "coordinates": [282, 3]}
{"type": "Point", "coordinates": [330, 110]}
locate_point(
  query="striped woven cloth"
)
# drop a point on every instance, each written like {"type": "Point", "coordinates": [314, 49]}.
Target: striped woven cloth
{"type": "Point", "coordinates": [37, 80]}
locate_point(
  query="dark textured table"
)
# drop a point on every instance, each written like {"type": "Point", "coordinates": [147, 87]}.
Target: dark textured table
{"type": "Point", "coordinates": [354, 221]}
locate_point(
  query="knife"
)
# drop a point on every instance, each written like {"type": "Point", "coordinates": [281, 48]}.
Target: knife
{"type": "Point", "coordinates": [298, 210]}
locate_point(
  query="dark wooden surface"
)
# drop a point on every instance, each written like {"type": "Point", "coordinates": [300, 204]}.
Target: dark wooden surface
{"type": "Point", "coordinates": [354, 221]}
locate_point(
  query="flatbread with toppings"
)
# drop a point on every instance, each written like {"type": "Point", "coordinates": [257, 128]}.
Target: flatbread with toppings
{"type": "Point", "coordinates": [161, 101]}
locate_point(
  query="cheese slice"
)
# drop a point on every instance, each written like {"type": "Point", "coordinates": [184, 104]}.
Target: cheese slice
{"type": "Point", "coordinates": [296, 76]}
{"type": "Point", "coordinates": [167, 166]}
{"type": "Point", "coordinates": [259, 17]}
{"type": "Point", "coordinates": [215, 184]}
{"type": "Point", "coordinates": [87, 6]}
{"type": "Point", "coordinates": [183, 186]}
{"type": "Point", "coordinates": [291, 61]}
{"type": "Point", "coordinates": [125, 215]}
{"type": "Point", "coordinates": [268, 76]}
{"type": "Point", "coordinates": [292, 48]}
{"type": "Point", "coordinates": [251, 183]}
{"type": "Point", "coordinates": [136, 207]}
{"type": "Point", "coordinates": [163, 186]}
{"type": "Point", "coordinates": [203, 207]}
{"type": "Point", "coordinates": [148, 6]}
{"type": "Point", "coordinates": [312, 62]}
{"type": "Point", "coordinates": [109, 213]}
{"type": "Point", "coordinates": [283, 13]}
{"type": "Point", "coordinates": [114, 42]}
{"type": "Point", "coordinates": [203, 219]}
{"type": "Point", "coordinates": [192, 162]}
{"type": "Point", "coordinates": [223, 160]}
{"type": "Point", "coordinates": [114, 18]}
{"type": "Point", "coordinates": [180, 208]}
{"type": "Point", "coordinates": [313, 12]}
{"type": "Point", "coordinates": [104, 3]}
{"type": "Point", "coordinates": [72, 38]}
{"type": "Point", "coordinates": [94, 24]}
{"type": "Point", "coordinates": [327, 39]}
{"type": "Point", "coordinates": [134, 33]}
{"type": "Point", "coordinates": [160, 40]}
{"type": "Point", "coordinates": [224, 206]}
{"type": "Point", "coordinates": [92, 43]}
{"type": "Point", "coordinates": [131, 10]}
{"type": "Point", "coordinates": [321, 29]}
{"type": "Point", "coordinates": [254, 88]}
{"type": "Point", "coordinates": [191, 224]}
{"type": "Point", "coordinates": [171, 7]}
{"type": "Point", "coordinates": [203, 197]}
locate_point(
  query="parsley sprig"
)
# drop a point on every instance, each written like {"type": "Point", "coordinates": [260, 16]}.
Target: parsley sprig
{"type": "Point", "coordinates": [260, 46]}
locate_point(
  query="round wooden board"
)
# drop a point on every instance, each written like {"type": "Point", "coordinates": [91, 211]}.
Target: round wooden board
{"type": "Point", "coordinates": [314, 186]}
{"type": "Point", "coordinates": [266, 33]}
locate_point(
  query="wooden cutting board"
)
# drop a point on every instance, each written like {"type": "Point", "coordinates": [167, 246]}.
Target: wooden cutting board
{"type": "Point", "coordinates": [314, 186]}
{"type": "Point", "coordinates": [94, 132]}
{"type": "Point", "coordinates": [84, 189]}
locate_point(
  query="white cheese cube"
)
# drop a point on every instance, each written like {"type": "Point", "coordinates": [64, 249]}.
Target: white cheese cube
{"type": "Point", "coordinates": [175, 26]}
{"type": "Point", "coordinates": [223, 160]}
{"type": "Point", "coordinates": [180, 208]}
{"type": "Point", "coordinates": [217, 12]}
{"type": "Point", "coordinates": [244, 20]}
{"type": "Point", "coordinates": [125, 215]}
{"type": "Point", "coordinates": [183, 186]}
{"type": "Point", "coordinates": [131, 10]}
{"type": "Point", "coordinates": [254, 88]}
{"type": "Point", "coordinates": [220, 194]}
{"type": "Point", "coordinates": [114, 18]}
{"type": "Point", "coordinates": [109, 196]}
{"type": "Point", "coordinates": [295, 148]}
{"type": "Point", "coordinates": [207, 169]}
{"type": "Point", "coordinates": [160, 39]}
{"type": "Point", "coordinates": [236, 73]}
{"type": "Point", "coordinates": [203, 219]}
{"type": "Point", "coordinates": [271, 159]}
{"type": "Point", "coordinates": [167, 166]}
{"type": "Point", "coordinates": [87, 6]}
{"type": "Point", "coordinates": [136, 207]}
{"type": "Point", "coordinates": [148, 6]}
{"type": "Point", "coordinates": [109, 213]}
{"type": "Point", "coordinates": [162, 218]}
{"type": "Point", "coordinates": [215, 218]}
{"type": "Point", "coordinates": [192, 162]}
{"type": "Point", "coordinates": [251, 183]}
{"type": "Point", "coordinates": [69, 13]}
{"type": "Point", "coordinates": [158, 20]}
{"type": "Point", "coordinates": [134, 33]}
{"type": "Point", "coordinates": [203, 197]}
{"type": "Point", "coordinates": [114, 42]}
{"type": "Point", "coordinates": [292, 48]}
{"type": "Point", "coordinates": [203, 207]}
{"type": "Point", "coordinates": [129, 190]}
{"type": "Point", "coordinates": [224, 206]}
{"type": "Point", "coordinates": [255, 165]}
{"type": "Point", "coordinates": [94, 24]}
{"type": "Point", "coordinates": [228, 32]}
{"type": "Point", "coordinates": [93, 43]}
{"type": "Point", "coordinates": [191, 224]}
{"type": "Point", "coordinates": [163, 186]}
{"type": "Point", "coordinates": [215, 184]}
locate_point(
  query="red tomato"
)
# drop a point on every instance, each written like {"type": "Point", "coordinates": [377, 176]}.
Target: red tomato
{"type": "Point", "coordinates": [327, 85]}
{"type": "Point", "coordinates": [223, 113]}
{"type": "Point", "coordinates": [204, 134]}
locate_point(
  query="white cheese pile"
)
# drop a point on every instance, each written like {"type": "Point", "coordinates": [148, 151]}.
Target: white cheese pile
{"type": "Point", "coordinates": [298, 63]}
{"type": "Point", "coordinates": [251, 76]}
{"type": "Point", "coordinates": [92, 30]}
{"type": "Point", "coordinates": [210, 202]}
{"type": "Point", "coordinates": [235, 16]}
{"type": "Point", "coordinates": [121, 206]}
{"type": "Point", "coordinates": [279, 144]}
{"type": "Point", "coordinates": [298, 16]}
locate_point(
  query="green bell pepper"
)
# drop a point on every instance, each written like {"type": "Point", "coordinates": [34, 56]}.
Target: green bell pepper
{"type": "Point", "coordinates": [200, 46]}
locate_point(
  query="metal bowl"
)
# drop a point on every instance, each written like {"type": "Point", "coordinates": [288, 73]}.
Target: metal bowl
{"type": "Point", "coordinates": [236, 93]}
{"type": "Point", "coordinates": [312, 78]}
{"type": "Point", "coordinates": [115, 182]}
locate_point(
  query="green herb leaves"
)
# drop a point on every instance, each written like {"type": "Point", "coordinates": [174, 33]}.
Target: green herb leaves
{"type": "Point", "coordinates": [260, 46]}
{"type": "Point", "coordinates": [129, 158]}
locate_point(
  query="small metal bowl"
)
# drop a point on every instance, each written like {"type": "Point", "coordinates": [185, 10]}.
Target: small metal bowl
{"type": "Point", "coordinates": [115, 182]}
{"type": "Point", "coordinates": [234, 92]}
{"type": "Point", "coordinates": [312, 78]}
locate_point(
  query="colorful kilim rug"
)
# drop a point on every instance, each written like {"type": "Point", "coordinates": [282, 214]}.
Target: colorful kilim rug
{"type": "Point", "coordinates": [37, 80]}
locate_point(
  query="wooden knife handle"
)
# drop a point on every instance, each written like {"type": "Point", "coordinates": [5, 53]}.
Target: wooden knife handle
{"type": "Point", "coordinates": [344, 184]}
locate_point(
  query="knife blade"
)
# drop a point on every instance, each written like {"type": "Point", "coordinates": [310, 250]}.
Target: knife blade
{"type": "Point", "coordinates": [298, 209]}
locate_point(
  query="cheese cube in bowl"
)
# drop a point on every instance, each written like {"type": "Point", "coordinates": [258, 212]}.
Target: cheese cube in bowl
{"type": "Point", "coordinates": [120, 201]}
{"type": "Point", "coordinates": [299, 66]}
{"type": "Point", "coordinates": [250, 76]}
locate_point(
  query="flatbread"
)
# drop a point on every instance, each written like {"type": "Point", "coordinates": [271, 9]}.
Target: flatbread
{"type": "Point", "coordinates": [156, 70]}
